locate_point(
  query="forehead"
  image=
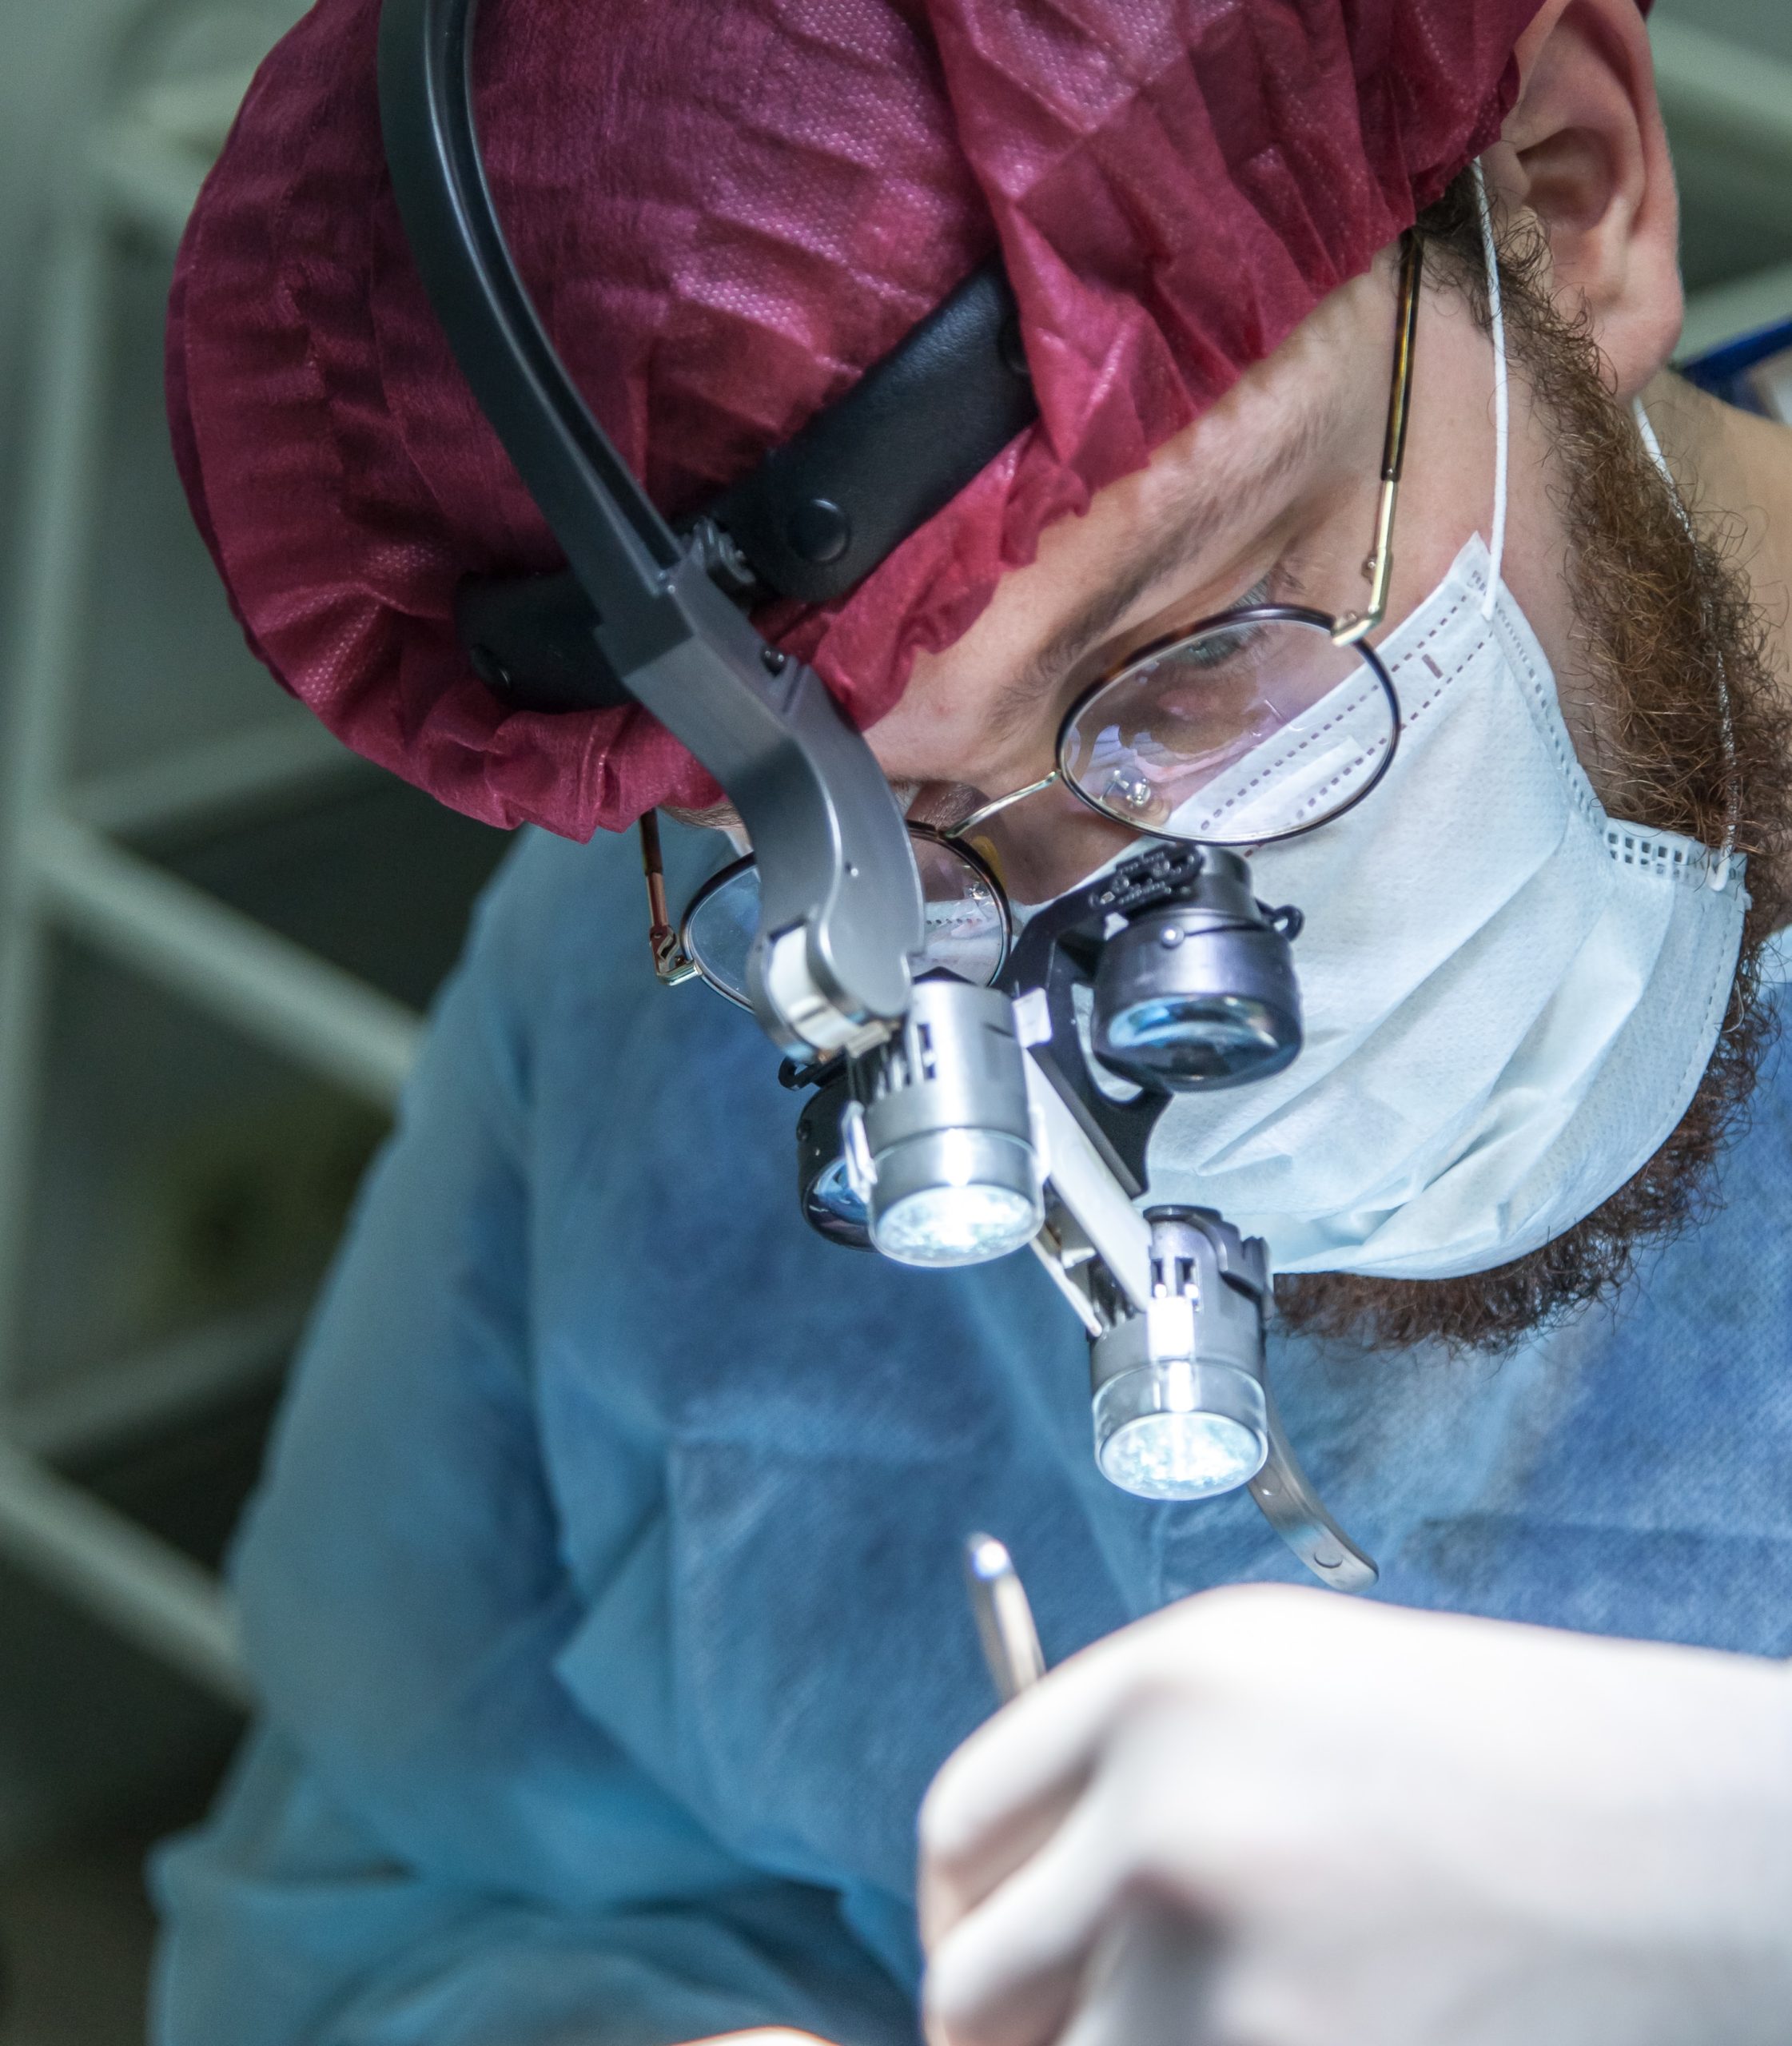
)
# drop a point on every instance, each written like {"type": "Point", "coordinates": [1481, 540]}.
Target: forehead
{"type": "Point", "coordinates": [1315, 404]}
{"type": "Point", "coordinates": [1301, 403]}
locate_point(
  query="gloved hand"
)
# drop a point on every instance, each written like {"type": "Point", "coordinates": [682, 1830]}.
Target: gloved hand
{"type": "Point", "coordinates": [768, 2035]}
{"type": "Point", "coordinates": [1272, 1817]}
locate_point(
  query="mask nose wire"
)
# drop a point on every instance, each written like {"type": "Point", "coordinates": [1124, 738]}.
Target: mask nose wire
{"type": "Point", "coordinates": [1501, 396]}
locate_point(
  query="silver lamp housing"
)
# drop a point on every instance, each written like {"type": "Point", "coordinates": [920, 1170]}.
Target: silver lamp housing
{"type": "Point", "coordinates": [938, 1138]}
{"type": "Point", "coordinates": [1179, 1408]}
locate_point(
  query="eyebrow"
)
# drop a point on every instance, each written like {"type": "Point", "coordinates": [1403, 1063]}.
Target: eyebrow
{"type": "Point", "coordinates": [1210, 504]}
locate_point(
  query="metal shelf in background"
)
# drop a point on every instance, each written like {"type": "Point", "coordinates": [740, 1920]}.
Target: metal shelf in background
{"type": "Point", "coordinates": [157, 1598]}
{"type": "Point", "coordinates": [261, 984]}
{"type": "Point", "coordinates": [1720, 315]}
{"type": "Point", "coordinates": [115, 1407]}
{"type": "Point", "coordinates": [65, 869]}
{"type": "Point", "coordinates": [1730, 106]}
{"type": "Point", "coordinates": [219, 783]}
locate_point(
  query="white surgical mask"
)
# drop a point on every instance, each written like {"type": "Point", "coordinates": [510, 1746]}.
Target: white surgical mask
{"type": "Point", "coordinates": [1510, 997]}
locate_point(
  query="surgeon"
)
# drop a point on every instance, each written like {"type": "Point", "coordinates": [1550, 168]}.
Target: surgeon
{"type": "Point", "coordinates": [603, 1592]}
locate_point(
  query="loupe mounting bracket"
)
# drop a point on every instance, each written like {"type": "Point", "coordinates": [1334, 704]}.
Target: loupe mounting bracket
{"type": "Point", "coordinates": [1058, 953]}
{"type": "Point", "coordinates": [841, 899]}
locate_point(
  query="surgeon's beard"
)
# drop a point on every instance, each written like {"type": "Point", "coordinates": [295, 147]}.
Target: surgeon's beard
{"type": "Point", "coordinates": [1666, 619]}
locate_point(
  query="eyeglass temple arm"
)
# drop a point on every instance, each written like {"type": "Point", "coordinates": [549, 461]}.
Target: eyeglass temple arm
{"type": "Point", "coordinates": [1393, 452]}
{"type": "Point", "coordinates": [671, 963]}
{"type": "Point", "coordinates": [988, 809]}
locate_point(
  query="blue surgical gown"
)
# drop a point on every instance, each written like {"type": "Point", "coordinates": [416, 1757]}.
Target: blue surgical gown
{"type": "Point", "coordinates": [603, 1588]}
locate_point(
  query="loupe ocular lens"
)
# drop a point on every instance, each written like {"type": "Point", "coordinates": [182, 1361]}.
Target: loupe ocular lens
{"type": "Point", "coordinates": [1256, 726]}
{"type": "Point", "coordinates": [968, 929]}
{"type": "Point", "coordinates": [1200, 994]}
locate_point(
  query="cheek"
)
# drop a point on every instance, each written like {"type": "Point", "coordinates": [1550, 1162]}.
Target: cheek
{"type": "Point", "coordinates": [1049, 844]}
{"type": "Point", "coordinates": [1537, 552]}
{"type": "Point", "coordinates": [1450, 479]}
{"type": "Point", "coordinates": [928, 735]}
{"type": "Point", "coordinates": [942, 728]}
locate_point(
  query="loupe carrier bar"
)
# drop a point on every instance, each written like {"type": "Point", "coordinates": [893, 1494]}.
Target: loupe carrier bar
{"type": "Point", "coordinates": [1173, 1301]}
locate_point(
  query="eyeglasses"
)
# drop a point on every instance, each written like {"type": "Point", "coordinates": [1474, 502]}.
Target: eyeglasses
{"type": "Point", "coordinates": [1257, 725]}
{"type": "Point", "coordinates": [968, 924]}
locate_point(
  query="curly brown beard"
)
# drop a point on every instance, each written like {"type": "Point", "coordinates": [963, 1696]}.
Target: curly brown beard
{"type": "Point", "coordinates": [1667, 622]}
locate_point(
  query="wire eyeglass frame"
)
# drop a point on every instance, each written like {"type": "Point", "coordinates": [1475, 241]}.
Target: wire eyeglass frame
{"type": "Point", "coordinates": [672, 961]}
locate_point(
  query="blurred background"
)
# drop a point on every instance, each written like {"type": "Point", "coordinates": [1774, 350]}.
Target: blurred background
{"type": "Point", "coordinates": [218, 933]}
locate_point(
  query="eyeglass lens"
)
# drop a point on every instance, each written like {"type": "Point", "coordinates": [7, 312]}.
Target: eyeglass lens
{"type": "Point", "coordinates": [1255, 727]}
{"type": "Point", "coordinates": [967, 921]}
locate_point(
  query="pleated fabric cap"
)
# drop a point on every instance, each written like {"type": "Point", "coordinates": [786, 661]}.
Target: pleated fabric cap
{"type": "Point", "coordinates": [725, 210]}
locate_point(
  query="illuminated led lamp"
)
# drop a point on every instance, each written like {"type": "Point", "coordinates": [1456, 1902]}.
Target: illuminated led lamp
{"type": "Point", "coordinates": [938, 1138]}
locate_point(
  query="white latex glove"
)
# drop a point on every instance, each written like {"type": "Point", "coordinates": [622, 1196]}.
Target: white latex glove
{"type": "Point", "coordinates": [769, 2035]}
{"type": "Point", "coordinates": [1272, 1817]}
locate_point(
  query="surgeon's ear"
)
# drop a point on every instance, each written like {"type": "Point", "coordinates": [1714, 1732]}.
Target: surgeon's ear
{"type": "Point", "coordinates": [1585, 150]}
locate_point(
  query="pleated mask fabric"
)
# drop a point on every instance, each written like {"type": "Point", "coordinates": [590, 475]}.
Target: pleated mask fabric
{"type": "Point", "coordinates": [1511, 995]}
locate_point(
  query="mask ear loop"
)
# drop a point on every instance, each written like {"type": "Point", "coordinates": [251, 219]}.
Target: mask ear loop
{"type": "Point", "coordinates": [1502, 396]}
{"type": "Point", "coordinates": [1718, 877]}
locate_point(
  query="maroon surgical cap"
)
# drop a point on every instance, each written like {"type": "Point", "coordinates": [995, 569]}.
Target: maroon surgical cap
{"type": "Point", "coordinates": [725, 210]}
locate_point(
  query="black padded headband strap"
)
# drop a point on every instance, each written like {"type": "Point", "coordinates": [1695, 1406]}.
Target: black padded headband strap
{"type": "Point", "coordinates": [819, 514]}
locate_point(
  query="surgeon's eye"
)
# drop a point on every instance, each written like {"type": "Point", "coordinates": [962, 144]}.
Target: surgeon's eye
{"type": "Point", "coordinates": [1200, 662]}
{"type": "Point", "coordinates": [1214, 650]}
{"type": "Point", "coordinates": [1241, 635]}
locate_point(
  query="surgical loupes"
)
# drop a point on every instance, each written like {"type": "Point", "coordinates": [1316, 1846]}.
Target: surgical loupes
{"type": "Point", "coordinates": [1173, 1301]}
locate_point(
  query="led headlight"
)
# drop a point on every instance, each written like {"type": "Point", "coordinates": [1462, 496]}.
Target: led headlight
{"type": "Point", "coordinates": [938, 1140]}
{"type": "Point", "coordinates": [1179, 1410]}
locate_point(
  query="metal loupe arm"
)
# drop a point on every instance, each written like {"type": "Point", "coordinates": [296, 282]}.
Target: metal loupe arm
{"type": "Point", "coordinates": [1291, 1506]}
{"type": "Point", "coordinates": [842, 907]}
{"type": "Point", "coordinates": [1096, 1247]}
